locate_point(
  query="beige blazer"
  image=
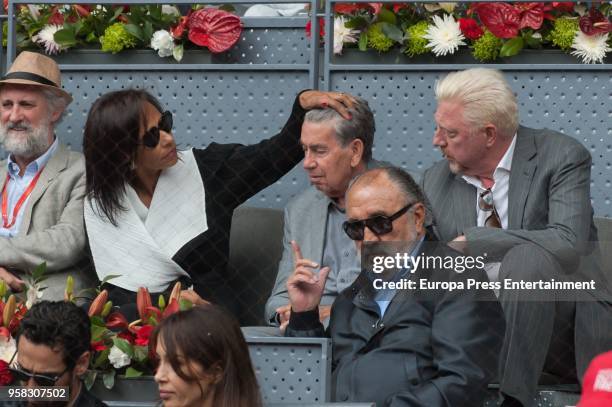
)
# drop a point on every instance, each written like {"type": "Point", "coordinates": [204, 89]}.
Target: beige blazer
{"type": "Point", "coordinates": [52, 229]}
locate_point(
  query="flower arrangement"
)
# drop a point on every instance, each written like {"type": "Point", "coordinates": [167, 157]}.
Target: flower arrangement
{"type": "Point", "coordinates": [57, 28]}
{"type": "Point", "coordinates": [490, 30]}
{"type": "Point", "coordinates": [121, 347]}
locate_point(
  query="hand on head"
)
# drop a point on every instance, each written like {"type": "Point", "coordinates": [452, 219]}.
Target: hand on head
{"type": "Point", "coordinates": [340, 102]}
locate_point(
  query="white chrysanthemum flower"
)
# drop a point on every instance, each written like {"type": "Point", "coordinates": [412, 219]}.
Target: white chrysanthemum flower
{"type": "Point", "coordinates": [45, 38]}
{"type": "Point", "coordinates": [163, 43]}
{"type": "Point", "coordinates": [591, 48]}
{"type": "Point", "coordinates": [171, 10]}
{"type": "Point", "coordinates": [342, 34]}
{"type": "Point", "coordinates": [118, 358]}
{"type": "Point", "coordinates": [444, 35]}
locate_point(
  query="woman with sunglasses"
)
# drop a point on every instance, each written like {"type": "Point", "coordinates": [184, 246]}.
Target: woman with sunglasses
{"type": "Point", "coordinates": [155, 215]}
{"type": "Point", "coordinates": [203, 361]}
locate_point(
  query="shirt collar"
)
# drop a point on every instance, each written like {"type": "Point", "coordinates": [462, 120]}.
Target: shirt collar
{"type": "Point", "coordinates": [505, 164]}
{"type": "Point", "coordinates": [34, 166]}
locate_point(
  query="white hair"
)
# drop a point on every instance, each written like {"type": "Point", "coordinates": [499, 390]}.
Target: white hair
{"type": "Point", "coordinates": [485, 96]}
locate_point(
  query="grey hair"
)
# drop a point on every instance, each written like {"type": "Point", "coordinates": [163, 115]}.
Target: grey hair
{"type": "Point", "coordinates": [55, 102]}
{"type": "Point", "coordinates": [485, 95]}
{"type": "Point", "coordinates": [361, 126]}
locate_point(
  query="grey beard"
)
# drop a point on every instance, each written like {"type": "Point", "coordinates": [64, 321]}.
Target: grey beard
{"type": "Point", "coordinates": [31, 143]}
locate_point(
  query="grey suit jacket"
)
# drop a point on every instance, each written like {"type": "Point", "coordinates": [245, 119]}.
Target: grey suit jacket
{"type": "Point", "coordinates": [306, 223]}
{"type": "Point", "coordinates": [52, 229]}
{"type": "Point", "coordinates": [549, 200]}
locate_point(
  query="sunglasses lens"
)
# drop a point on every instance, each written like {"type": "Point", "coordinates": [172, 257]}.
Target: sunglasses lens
{"type": "Point", "coordinates": [166, 122]}
{"type": "Point", "coordinates": [151, 137]}
{"type": "Point", "coordinates": [380, 225]}
{"type": "Point", "coordinates": [354, 230]}
{"type": "Point", "coordinates": [19, 375]}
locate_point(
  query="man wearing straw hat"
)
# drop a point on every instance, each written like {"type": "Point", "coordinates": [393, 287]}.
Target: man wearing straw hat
{"type": "Point", "coordinates": [42, 182]}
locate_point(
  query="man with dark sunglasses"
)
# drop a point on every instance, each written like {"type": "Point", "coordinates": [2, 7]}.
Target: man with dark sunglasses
{"type": "Point", "coordinates": [53, 351]}
{"type": "Point", "coordinates": [400, 346]}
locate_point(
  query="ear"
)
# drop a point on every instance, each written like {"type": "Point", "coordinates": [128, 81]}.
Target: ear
{"type": "Point", "coordinates": [419, 213]}
{"type": "Point", "coordinates": [82, 364]}
{"type": "Point", "coordinates": [215, 374]}
{"type": "Point", "coordinates": [56, 115]}
{"type": "Point", "coordinates": [490, 134]}
{"type": "Point", "coordinates": [356, 147]}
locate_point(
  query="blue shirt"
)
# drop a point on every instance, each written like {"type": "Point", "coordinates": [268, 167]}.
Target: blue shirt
{"type": "Point", "coordinates": [17, 186]}
{"type": "Point", "coordinates": [383, 297]}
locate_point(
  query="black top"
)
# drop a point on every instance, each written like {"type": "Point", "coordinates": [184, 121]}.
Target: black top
{"type": "Point", "coordinates": [232, 173]}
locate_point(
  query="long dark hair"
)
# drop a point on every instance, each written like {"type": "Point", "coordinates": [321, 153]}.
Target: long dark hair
{"type": "Point", "coordinates": [211, 337]}
{"type": "Point", "coordinates": [110, 142]}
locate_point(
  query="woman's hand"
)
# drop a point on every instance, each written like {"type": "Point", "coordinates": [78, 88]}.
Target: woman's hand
{"type": "Point", "coordinates": [339, 101]}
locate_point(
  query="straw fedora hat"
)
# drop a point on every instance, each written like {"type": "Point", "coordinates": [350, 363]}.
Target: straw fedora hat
{"type": "Point", "coordinates": [31, 68]}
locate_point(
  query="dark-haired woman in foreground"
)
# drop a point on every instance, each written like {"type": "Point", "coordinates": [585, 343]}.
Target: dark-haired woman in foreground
{"type": "Point", "coordinates": [203, 361]}
{"type": "Point", "coordinates": [156, 216]}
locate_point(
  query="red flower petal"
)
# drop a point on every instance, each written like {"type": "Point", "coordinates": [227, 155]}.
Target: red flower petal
{"type": "Point", "coordinates": [532, 15]}
{"type": "Point", "coordinates": [470, 28]}
{"type": "Point", "coordinates": [6, 377]}
{"type": "Point", "coordinates": [594, 23]}
{"type": "Point", "coordinates": [501, 19]}
{"type": "Point", "coordinates": [216, 29]}
{"type": "Point", "coordinates": [308, 28]}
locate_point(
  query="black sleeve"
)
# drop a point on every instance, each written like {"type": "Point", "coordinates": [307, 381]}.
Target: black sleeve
{"type": "Point", "coordinates": [235, 172]}
{"type": "Point", "coordinates": [305, 324]}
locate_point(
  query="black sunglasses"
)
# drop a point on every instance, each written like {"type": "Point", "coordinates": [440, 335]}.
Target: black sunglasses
{"type": "Point", "coordinates": [43, 380]}
{"type": "Point", "coordinates": [379, 224]}
{"type": "Point", "coordinates": [151, 137]}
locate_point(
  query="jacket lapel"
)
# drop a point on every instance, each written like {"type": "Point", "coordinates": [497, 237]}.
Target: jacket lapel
{"type": "Point", "coordinates": [521, 176]}
{"type": "Point", "coordinates": [56, 164]}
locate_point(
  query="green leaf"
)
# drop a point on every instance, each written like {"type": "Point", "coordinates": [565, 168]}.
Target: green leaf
{"type": "Point", "coordinates": [124, 346]}
{"type": "Point", "coordinates": [387, 16]}
{"type": "Point", "coordinates": [101, 359]}
{"type": "Point", "coordinates": [177, 52]}
{"type": "Point", "coordinates": [91, 37]}
{"type": "Point", "coordinates": [97, 321]}
{"type": "Point", "coordinates": [141, 353]}
{"type": "Point", "coordinates": [356, 22]}
{"type": "Point", "coordinates": [227, 7]}
{"type": "Point", "coordinates": [109, 379]}
{"type": "Point", "coordinates": [97, 332]}
{"type": "Point", "coordinates": [147, 32]}
{"type": "Point", "coordinates": [109, 277]}
{"type": "Point", "coordinates": [89, 378]}
{"type": "Point", "coordinates": [392, 32]}
{"type": "Point", "coordinates": [131, 372]}
{"type": "Point", "coordinates": [41, 268]}
{"type": "Point", "coordinates": [363, 41]}
{"type": "Point", "coordinates": [116, 14]}
{"type": "Point", "coordinates": [511, 47]}
{"type": "Point", "coordinates": [135, 31]}
{"type": "Point", "coordinates": [155, 11]}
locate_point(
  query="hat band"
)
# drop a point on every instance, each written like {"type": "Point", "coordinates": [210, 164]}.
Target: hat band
{"type": "Point", "coordinates": [30, 77]}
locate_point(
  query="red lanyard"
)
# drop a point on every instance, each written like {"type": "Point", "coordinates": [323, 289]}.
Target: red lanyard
{"type": "Point", "coordinates": [24, 196]}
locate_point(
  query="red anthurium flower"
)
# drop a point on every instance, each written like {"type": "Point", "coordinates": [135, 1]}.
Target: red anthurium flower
{"type": "Point", "coordinates": [98, 346]}
{"type": "Point", "coordinates": [56, 17]}
{"type": "Point", "coordinates": [18, 316]}
{"type": "Point", "coordinates": [82, 10]}
{"type": "Point", "coordinates": [143, 334]}
{"type": "Point", "coordinates": [532, 15]}
{"type": "Point", "coordinates": [6, 377]}
{"type": "Point", "coordinates": [215, 29]}
{"type": "Point", "coordinates": [376, 7]}
{"type": "Point", "coordinates": [594, 23]}
{"type": "Point", "coordinates": [502, 19]}
{"type": "Point", "coordinates": [470, 28]}
{"type": "Point", "coordinates": [400, 6]}
{"type": "Point", "coordinates": [127, 336]}
{"type": "Point", "coordinates": [178, 30]}
{"type": "Point", "coordinates": [564, 6]}
{"type": "Point", "coordinates": [348, 8]}
{"type": "Point", "coordinates": [321, 28]}
{"type": "Point", "coordinates": [116, 320]}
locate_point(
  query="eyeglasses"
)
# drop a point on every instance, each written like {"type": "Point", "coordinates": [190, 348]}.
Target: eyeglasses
{"type": "Point", "coordinates": [485, 203]}
{"type": "Point", "coordinates": [379, 224]}
{"type": "Point", "coordinates": [43, 380]}
{"type": "Point", "coordinates": [151, 137]}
